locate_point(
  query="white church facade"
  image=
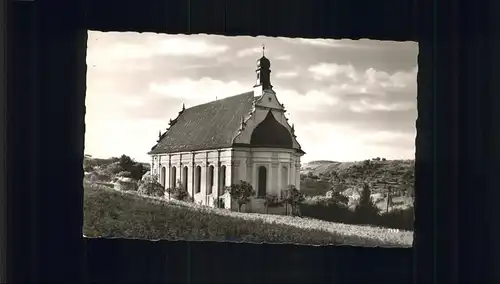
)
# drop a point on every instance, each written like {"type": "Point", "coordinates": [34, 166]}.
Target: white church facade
{"type": "Point", "coordinates": [243, 137]}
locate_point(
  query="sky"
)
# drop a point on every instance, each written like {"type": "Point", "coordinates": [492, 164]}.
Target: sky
{"type": "Point", "coordinates": [349, 100]}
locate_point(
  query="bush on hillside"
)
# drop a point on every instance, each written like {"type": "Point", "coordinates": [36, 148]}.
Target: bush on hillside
{"type": "Point", "coordinates": [398, 219]}
{"type": "Point", "coordinates": [218, 202]}
{"type": "Point", "coordinates": [124, 174]}
{"type": "Point", "coordinates": [99, 177]}
{"type": "Point", "coordinates": [151, 187]}
{"type": "Point", "coordinates": [339, 198]}
{"type": "Point", "coordinates": [126, 185]}
{"type": "Point", "coordinates": [113, 169]}
{"type": "Point", "coordinates": [327, 211]}
{"type": "Point", "coordinates": [179, 193]}
{"type": "Point", "coordinates": [366, 208]}
{"type": "Point", "coordinates": [321, 208]}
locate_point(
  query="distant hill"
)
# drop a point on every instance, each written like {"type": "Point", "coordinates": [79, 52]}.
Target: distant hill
{"type": "Point", "coordinates": [318, 168]}
{"type": "Point", "coordinates": [319, 176]}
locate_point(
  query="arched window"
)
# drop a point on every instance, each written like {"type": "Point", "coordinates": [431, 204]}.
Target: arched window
{"type": "Point", "coordinates": [210, 184]}
{"type": "Point", "coordinates": [261, 191]}
{"type": "Point", "coordinates": [163, 175]}
{"type": "Point", "coordinates": [173, 177]}
{"type": "Point", "coordinates": [184, 177]}
{"type": "Point", "coordinates": [197, 176]}
{"type": "Point", "coordinates": [222, 179]}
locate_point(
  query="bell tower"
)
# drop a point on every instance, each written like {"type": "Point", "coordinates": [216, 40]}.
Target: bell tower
{"type": "Point", "coordinates": [263, 72]}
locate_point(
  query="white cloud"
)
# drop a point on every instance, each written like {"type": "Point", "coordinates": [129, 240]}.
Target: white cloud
{"type": "Point", "coordinates": [310, 101]}
{"type": "Point", "coordinates": [290, 74]}
{"type": "Point", "coordinates": [198, 91]}
{"type": "Point", "coordinates": [365, 105]}
{"type": "Point", "coordinates": [249, 52]}
{"type": "Point", "coordinates": [122, 136]}
{"type": "Point", "coordinates": [283, 57]}
{"type": "Point", "coordinates": [386, 136]}
{"type": "Point", "coordinates": [323, 71]}
{"type": "Point", "coordinates": [190, 47]}
{"type": "Point", "coordinates": [322, 42]}
{"type": "Point", "coordinates": [99, 52]}
{"type": "Point", "coordinates": [328, 141]}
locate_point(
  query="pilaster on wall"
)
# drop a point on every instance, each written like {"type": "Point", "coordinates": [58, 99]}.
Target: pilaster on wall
{"type": "Point", "coordinates": [274, 173]}
{"type": "Point", "coordinates": [215, 186]}
{"type": "Point", "coordinates": [189, 179]}
{"type": "Point", "coordinates": [297, 173]}
{"type": "Point", "coordinates": [235, 171]}
{"type": "Point", "coordinates": [168, 177]}
{"type": "Point", "coordinates": [203, 178]}
{"type": "Point", "coordinates": [249, 171]}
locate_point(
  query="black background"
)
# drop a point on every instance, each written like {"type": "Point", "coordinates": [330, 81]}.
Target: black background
{"type": "Point", "coordinates": [456, 159]}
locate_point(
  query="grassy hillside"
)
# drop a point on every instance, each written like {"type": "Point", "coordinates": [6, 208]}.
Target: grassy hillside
{"type": "Point", "coordinates": [111, 213]}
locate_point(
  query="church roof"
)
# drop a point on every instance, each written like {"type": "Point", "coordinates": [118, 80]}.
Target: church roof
{"type": "Point", "coordinates": [207, 126]}
{"type": "Point", "coordinates": [271, 133]}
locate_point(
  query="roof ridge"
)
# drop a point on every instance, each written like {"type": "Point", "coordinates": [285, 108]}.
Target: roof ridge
{"type": "Point", "coordinates": [214, 101]}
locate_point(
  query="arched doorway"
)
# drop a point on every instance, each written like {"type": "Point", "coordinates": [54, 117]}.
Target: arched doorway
{"type": "Point", "coordinates": [262, 183]}
{"type": "Point", "coordinates": [222, 180]}
{"type": "Point", "coordinates": [210, 184]}
{"type": "Point", "coordinates": [173, 177]}
{"type": "Point", "coordinates": [163, 177]}
{"type": "Point", "coordinates": [197, 178]}
{"type": "Point", "coordinates": [184, 177]}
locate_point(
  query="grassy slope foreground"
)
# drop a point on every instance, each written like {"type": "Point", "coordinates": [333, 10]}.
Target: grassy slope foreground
{"type": "Point", "coordinates": [111, 213]}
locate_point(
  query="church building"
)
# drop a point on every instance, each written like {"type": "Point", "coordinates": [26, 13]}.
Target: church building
{"type": "Point", "coordinates": [243, 137]}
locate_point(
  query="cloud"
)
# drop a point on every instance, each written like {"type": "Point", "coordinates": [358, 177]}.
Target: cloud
{"type": "Point", "coordinates": [166, 46]}
{"type": "Point", "coordinates": [289, 74]}
{"type": "Point", "coordinates": [199, 91]}
{"type": "Point", "coordinates": [190, 47]}
{"type": "Point", "coordinates": [348, 99]}
{"type": "Point", "coordinates": [323, 71]}
{"type": "Point", "coordinates": [249, 52]}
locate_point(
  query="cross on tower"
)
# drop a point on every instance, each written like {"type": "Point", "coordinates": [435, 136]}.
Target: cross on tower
{"type": "Point", "coordinates": [263, 49]}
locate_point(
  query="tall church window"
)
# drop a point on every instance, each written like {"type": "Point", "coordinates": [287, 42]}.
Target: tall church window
{"type": "Point", "coordinates": [210, 184]}
{"type": "Point", "coordinates": [197, 176]}
{"type": "Point", "coordinates": [173, 177]}
{"type": "Point", "coordinates": [262, 182]}
{"type": "Point", "coordinates": [184, 177]}
{"type": "Point", "coordinates": [222, 179]}
{"type": "Point", "coordinates": [162, 176]}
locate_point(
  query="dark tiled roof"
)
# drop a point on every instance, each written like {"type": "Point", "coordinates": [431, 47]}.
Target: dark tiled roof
{"type": "Point", "coordinates": [207, 126]}
{"type": "Point", "coordinates": [271, 133]}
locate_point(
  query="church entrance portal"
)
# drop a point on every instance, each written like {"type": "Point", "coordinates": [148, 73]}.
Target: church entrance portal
{"type": "Point", "coordinates": [262, 183]}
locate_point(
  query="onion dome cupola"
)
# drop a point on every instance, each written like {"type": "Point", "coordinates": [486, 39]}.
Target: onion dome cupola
{"type": "Point", "coordinates": [263, 72]}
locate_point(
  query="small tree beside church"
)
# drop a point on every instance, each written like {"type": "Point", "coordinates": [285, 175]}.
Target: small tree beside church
{"type": "Point", "coordinates": [293, 197]}
{"type": "Point", "coordinates": [241, 192]}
